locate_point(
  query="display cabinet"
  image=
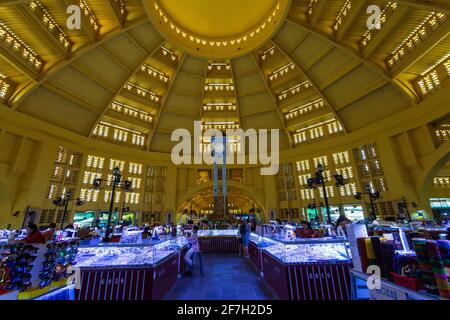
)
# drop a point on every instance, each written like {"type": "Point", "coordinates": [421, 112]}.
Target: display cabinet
{"type": "Point", "coordinates": [303, 269]}
{"type": "Point", "coordinates": [119, 271]}
{"type": "Point", "coordinates": [219, 241]}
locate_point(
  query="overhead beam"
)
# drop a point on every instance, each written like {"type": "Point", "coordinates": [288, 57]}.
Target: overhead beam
{"type": "Point", "coordinates": [116, 59]}
{"type": "Point", "coordinates": [136, 43]}
{"type": "Point", "coordinates": [17, 62]}
{"type": "Point", "coordinates": [274, 101]}
{"type": "Point", "coordinates": [56, 89]}
{"type": "Point", "coordinates": [94, 78]}
{"type": "Point", "coordinates": [314, 85]}
{"type": "Point", "coordinates": [37, 25]}
{"type": "Point", "coordinates": [326, 50]}
{"type": "Point", "coordinates": [5, 3]}
{"type": "Point", "coordinates": [417, 53]}
{"type": "Point", "coordinates": [298, 42]}
{"type": "Point", "coordinates": [317, 10]}
{"type": "Point", "coordinates": [85, 25]}
{"type": "Point", "coordinates": [163, 104]}
{"type": "Point", "coordinates": [349, 19]}
{"type": "Point", "coordinates": [339, 74]}
{"type": "Point", "coordinates": [20, 96]}
{"type": "Point", "coordinates": [410, 95]}
{"type": "Point", "coordinates": [363, 92]}
{"type": "Point", "coordinates": [387, 28]}
{"type": "Point", "coordinates": [117, 14]}
{"type": "Point", "coordinates": [119, 90]}
{"type": "Point", "coordinates": [429, 5]}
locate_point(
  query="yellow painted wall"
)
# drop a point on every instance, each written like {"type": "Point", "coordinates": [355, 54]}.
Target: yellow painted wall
{"type": "Point", "coordinates": [408, 151]}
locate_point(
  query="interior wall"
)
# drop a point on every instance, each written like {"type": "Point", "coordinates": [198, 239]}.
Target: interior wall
{"type": "Point", "coordinates": [406, 144]}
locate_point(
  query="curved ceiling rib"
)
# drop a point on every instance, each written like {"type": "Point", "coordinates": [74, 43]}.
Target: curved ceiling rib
{"type": "Point", "coordinates": [336, 69]}
{"type": "Point", "coordinates": [163, 103]}
{"type": "Point", "coordinates": [117, 92]}
{"type": "Point", "coordinates": [20, 95]}
{"type": "Point", "coordinates": [430, 5]}
{"type": "Point", "coordinates": [274, 101]}
{"type": "Point", "coordinates": [409, 94]}
{"type": "Point", "coordinates": [313, 83]}
{"type": "Point", "coordinates": [428, 44]}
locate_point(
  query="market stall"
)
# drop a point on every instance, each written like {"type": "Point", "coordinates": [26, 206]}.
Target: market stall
{"type": "Point", "coordinates": [303, 269]}
{"type": "Point", "coordinates": [409, 267]}
{"type": "Point", "coordinates": [30, 270]}
{"type": "Point", "coordinates": [114, 271]}
{"type": "Point", "coordinates": [219, 241]}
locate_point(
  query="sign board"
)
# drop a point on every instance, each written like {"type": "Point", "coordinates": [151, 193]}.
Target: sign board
{"type": "Point", "coordinates": [387, 293]}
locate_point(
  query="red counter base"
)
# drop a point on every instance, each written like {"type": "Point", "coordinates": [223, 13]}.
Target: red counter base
{"type": "Point", "coordinates": [255, 254]}
{"type": "Point", "coordinates": [130, 283]}
{"type": "Point", "coordinates": [315, 281]}
{"type": "Point", "coordinates": [219, 244]}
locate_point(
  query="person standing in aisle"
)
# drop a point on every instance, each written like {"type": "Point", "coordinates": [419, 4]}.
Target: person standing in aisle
{"type": "Point", "coordinates": [195, 247]}
{"type": "Point", "coordinates": [244, 230]}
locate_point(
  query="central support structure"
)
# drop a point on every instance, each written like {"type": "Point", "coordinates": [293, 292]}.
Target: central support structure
{"type": "Point", "coordinates": [219, 154]}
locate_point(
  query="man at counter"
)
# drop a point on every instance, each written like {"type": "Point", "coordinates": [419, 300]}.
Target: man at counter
{"type": "Point", "coordinates": [195, 247]}
{"type": "Point", "coordinates": [33, 234]}
{"type": "Point", "coordinates": [307, 231]}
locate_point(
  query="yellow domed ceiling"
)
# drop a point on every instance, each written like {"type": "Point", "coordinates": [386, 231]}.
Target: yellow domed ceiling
{"type": "Point", "coordinates": [215, 28]}
{"type": "Point", "coordinates": [314, 71]}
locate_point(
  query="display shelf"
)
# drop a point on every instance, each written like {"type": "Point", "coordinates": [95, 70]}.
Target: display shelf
{"type": "Point", "coordinates": [303, 269]}
{"type": "Point", "coordinates": [127, 255]}
{"type": "Point", "coordinates": [219, 241]}
{"type": "Point", "coordinates": [119, 271]}
{"type": "Point", "coordinates": [387, 291]}
{"type": "Point", "coordinates": [218, 233]}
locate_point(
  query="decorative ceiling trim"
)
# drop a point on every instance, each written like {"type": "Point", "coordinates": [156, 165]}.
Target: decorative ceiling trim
{"type": "Point", "coordinates": [413, 56]}
{"type": "Point", "coordinates": [313, 83]}
{"type": "Point", "coordinates": [20, 95]}
{"type": "Point", "coordinates": [388, 27]}
{"type": "Point", "coordinates": [223, 48]}
{"type": "Point", "coordinates": [117, 93]}
{"type": "Point", "coordinates": [163, 104]}
{"type": "Point", "coordinates": [274, 101]}
{"type": "Point", "coordinates": [429, 5]}
{"type": "Point", "coordinates": [410, 94]}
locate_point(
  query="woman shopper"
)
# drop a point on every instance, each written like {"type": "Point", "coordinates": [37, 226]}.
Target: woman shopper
{"type": "Point", "coordinates": [244, 230]}
{"type": "Point", "coordinates": [193, 241]}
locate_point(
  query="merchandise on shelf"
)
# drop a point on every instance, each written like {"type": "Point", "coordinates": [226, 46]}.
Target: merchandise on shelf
{"type": "Point", "coordinates": [218, 233]}
{"type": "Point", "coordinates": [432, 266]}
{"type": "Point", "coordinates": [58, 258]}
{"type": "Point", "coordinates": [114, 255]}
{"type": "Point", "coordinates": [117, 271]}
{"type": "Point", "coordinates": [303, 269]}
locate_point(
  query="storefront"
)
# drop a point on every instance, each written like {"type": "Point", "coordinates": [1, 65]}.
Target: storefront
{"type": "Point", "coordinates": [352, 212]}
{"type": "Point", "coordinates": [103, 219]}
{"type": "Point", "coordinates": [84, 219]}
{"type": "Point", "coordinates": [441, 207]}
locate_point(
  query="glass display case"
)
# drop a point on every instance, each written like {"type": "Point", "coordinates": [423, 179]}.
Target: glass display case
{"type": "Point", "coordinates": [304, 250]}
{"type": "Point", "coordinates": [107, 255]}
{"type": "Point", "coordinates": [310, 252]}
{"type": "Point", "coordinates": [218, 233]}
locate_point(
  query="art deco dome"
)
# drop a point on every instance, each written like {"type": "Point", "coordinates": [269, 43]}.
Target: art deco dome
{"type": "Point", "coordinates": [138, 70]}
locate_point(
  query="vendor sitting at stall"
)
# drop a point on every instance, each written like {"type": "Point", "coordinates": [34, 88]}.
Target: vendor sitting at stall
{"type": "Point", "coordinates": [307, 231]}
{"type": "Point", "coordinates": [33, 234]}
{"type": "Point", "coordinates": [50, 232]}
{"type": "Point", "coordinates": [195, 247]}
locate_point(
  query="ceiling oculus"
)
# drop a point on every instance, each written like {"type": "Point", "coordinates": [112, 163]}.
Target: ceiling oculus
{"type": "Point", "coordinates": [217, 28]}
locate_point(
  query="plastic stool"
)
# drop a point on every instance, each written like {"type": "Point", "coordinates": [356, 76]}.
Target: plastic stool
{"type": "Point", "coordinates": [197, 262]}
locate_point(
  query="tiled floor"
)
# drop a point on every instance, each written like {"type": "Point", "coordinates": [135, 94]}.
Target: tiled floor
{"type": "Point", "coordinates": [227, 277]}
